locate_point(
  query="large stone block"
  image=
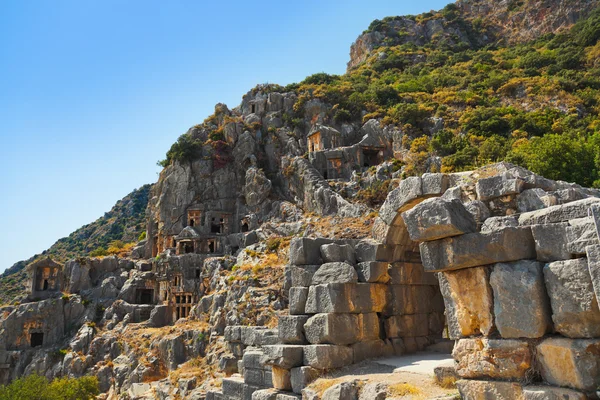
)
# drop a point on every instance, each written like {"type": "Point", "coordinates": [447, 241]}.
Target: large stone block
{"type": "Point", "coordinates": [593, 257]}
{"type": "Point", "coordinates": [551, 241]}
{"type": "Point", "coordinates": [302, 377]}
{"type": "Point", "coordinates": [298, 297]}
{"type": "Point", "coordinates": [371, 250]}
{"type": "Point", "coordinates": [497, 186]}
{"type": "Point", "coordinates": [291, 329]}
{"type": "Point", "coordinates": [551, 393]}
{"type": "Point", "coordinates": [301, 275]}
{"type": "Point", "coordinates": [285, 356]}
{"type": "Point", "coordinates": [233, 387]}
{"type": "Point", "coordinates": [372, 349]}
{"type": "Point", "coordinates": [521, 306]}
{"type": "Point", "coordinates": [338, 253]}
{"type": "Point", "coordinates": [253, 359]}
{"type": "Point", "coordinates": [561, 213]}
{"type": "Point", "coordinates": [407, 273]}
{"type": "Point", "coordinates": [496, 359]}
{"type": "Point", "coordinates": [412, 325]}
{"type": "Point", "coordinates": [434, 184]}
{"type": "Point", "coordinates": [575, 310]}
{"type": "Point", "coordinates": [327, 356]}
{"type": "Point", "coordinates": [341, 329]}
{"type": "Point", "coordinates": [408, 193]}
{"type": "Point", "coordinates": [437, 218]}
{"type": "Point", "coordinates": [573, 363]}
{"type": "Point", "coordinates": [489, 390]}
{"type": "Point", "coordinates": [373, 272]}
{"type": "Point", "coordinates": [346, 298]}
{"type": "Point", "coordinates": [469, 301]}
{"type": "Point", "coordinates": [341, 391]}
{"type": "Point", "coordinates": [335, 272]}
{"type": "Point", "coordinates": [476, 249]}
{"type": "Point", "coordinates": [306, 251]}
{"type": "Point", "coordinates": [412, 299]}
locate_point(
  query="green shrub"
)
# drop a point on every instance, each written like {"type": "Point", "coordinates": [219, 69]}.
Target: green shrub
{"type": "Point", "coordinates": [142, 236]}
{"type": "Point", "coordinates": [34, 387]}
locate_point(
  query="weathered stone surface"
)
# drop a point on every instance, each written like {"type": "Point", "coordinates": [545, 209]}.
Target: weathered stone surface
{"type": "Point", "coordinates": [298, 297]}
{"type": "Point", "coordinates": [551, 241]}
{"type": "Point", "coordinates": [306, 251]}
{"type": "Point", "coordinates": [593, 257]}
{"type": "Point", "coordinates": [475, 249]}
{"type": "Point", "coordinates": [560, 213]}
{"type": "Point", "coordinates": [341, 329]}
{"type": "Point", "coordinates": [302, 377]}
{"type": "Point", "coordinates": [497, 186]}
{"type": "Point", "coordinates": [446, 371]}
{"type": "Point", "coordinates": [581, 233]}
{"type": "Point", "coordinates": [281, 378]}
{"type": "Point", "coordinates": [373, 391]}
{"type": "Point", "coordinates": [434, 183]}
{"type": "Point", "coordinates": [410, 325]}
{"type": "Point", "coordinates": [409, 192]}
{"type": "Point", "coordinates": [341, 391]}
{"type": "Point", "coordinates": [372, 349]}
{"type": "Point", "coordinates": [437, 218]}
{"type": "Point", "coordinates": [413, 299]}
{"type": "Point", "coordinates": [301, 275]}
{"type": "Point", "coordinates": [335, 272]}
{"type": "Point", "coordinates": [572, 363]}
{"type": "Point", "coordinates": [264, 394]}
{"type": "Point", "coordinates": [521, 305]}
{"type": "Point", "coordinates": [551, 393]}
{"type": "Point", "coordinates": [534, 199]}
{"type": "Point", "coordinates": [478, 210]}
{"type": "Point", "coordinates": [338, 253]}
{"type": "Point", "coordinates": [497, 223]}
{"type": "Point", "coordinates": [407, 273]}
{"type": "Point", "coordinates": [346, 298]}
{"type": "Point", "coordinates": [373, 272]}
{"type": "Point", "coordinates": [283, 356]}
{"type": "Point", "coordinates": [371, 250]}
{"type": "Point", "coordinates": [489, 390]}
{"type": "Point", "coordinates": [496, 359]}
{"type": "Point", "coordinates": [575, 311]}
{"type": "Point", "coordinates": [291, 329]}
{"type": "Point", "coordinates": [468, 299]}
{"type": "Point", "coordinates": [327, 356]}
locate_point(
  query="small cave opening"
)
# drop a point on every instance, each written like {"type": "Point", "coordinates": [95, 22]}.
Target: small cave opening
{"type": "Point", "coordinates": [191, 222]}
{"type": "Point", "coordinates": [211, 247]}
{"type": "Point", "coordinates": [45, 285]}
{"type": "Point", "coordinates": [198, 273]}
{"type": "Point", "coordinates": [188, 248]}
{"type": "Point", "coordinates": [245, 227]}
{"type": "Point", "coordinates": [36, 339]}
{"type": "Point", "coordinates": [145, 296]}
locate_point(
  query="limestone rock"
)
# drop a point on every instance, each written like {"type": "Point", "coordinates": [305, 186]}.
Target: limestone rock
{"type": "Point", "coordinates": [302, 377]}
{"type": "Point", "coordinates": [476, 249]}
{"type": "Point", "coordinates": [373, 272]}
{"type": "Point", "coordinates": [551, 241]}
{"type": "Point", "coordinates": [341, 329]}
{"type": "Point", "coordinates": [496, 359]}
{"type": "Point", "coordinates": [551, 393]}
{"type": "Point", "coordinates": [341, 391]}
{"type": "Point", "coordinates": [257, 187]}
{"type": "Point", "coordinates": [346, 298]}
{"type": "Point", "coordinates": [298, 297]}
{"type": "Point", "coordinates": [335, 272]}
{"type": "Point", "coordinates": [438, 218]}
{"type": "Point", "coordinates": [497, 223]}
{"type": "Point", "coordinates": [338, 253]}
{"type": "Point", "coordinates": [469, 301]}
{"type": "Point", "coordinates": [521, 305]}
{"type": "Point", "coordinates": [497, 186]}
{"type": "Point", "coordinates": [404, 196]}
{"type": "Point", "coordinates": [593, 257]}
{"type": "Point", "coordinates": [560, 213]}
{"type": "Point", "coordinates": [488, 390]}
{"type": "Point", "coordinates": [283, 356]}
{"type": "Point", "coordinates": [291, 329]}
{"type": "Point", "coordinates": [575, 309]}
{"type": "Point", "coordinates": [572, 363]}
{"type": "Point", "coordinates": [327, 356]}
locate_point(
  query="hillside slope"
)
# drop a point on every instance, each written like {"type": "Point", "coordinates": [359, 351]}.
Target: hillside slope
{"type": "Point", "coordinates": [124, 222]}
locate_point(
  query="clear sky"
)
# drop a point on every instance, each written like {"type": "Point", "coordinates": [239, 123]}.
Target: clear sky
{"type": "Point", "coordinates": [93, 93]}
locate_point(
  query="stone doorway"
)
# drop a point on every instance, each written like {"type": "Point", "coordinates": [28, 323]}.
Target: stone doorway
{"type": "Point", "coordinates": [36, 339]}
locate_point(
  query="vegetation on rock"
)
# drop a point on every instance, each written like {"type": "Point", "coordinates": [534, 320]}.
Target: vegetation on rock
{"type": "Point", "coordinates": [35, 387]}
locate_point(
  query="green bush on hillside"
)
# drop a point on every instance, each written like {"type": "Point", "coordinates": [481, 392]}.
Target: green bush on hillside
{"type": "Point", "coordinates": [34, 387]}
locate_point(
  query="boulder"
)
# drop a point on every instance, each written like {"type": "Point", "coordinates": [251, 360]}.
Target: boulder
{"type": "Point", "coordinates": [495, 359]}
{"type": "Point", "coordinates": [476, 249]}
{"type": "Point", "coordinates": [478, 210]}
{"type": "Point", "coordinates": [341, 391]}
{"type": "Point", "coordinates": [497, 223]}
{"type": "Point", "coordinates": [437, 218]}
{"type": "Point", "coordinates": [338, 253]}
{"type": "Point", "coordinates": [434, 184]}
{"type": "Point", "coordinates": [534, 199]}
{"type": "Point", "coordinates": [306, 251]}
{"type": "Point", "coordinates": [335, 272]}
{"type": "Point", "coordinates": [581, 233]}
{"type": "Point", "coordinates": [521, 306]}
{"type": "Point", "coordinates": [488, 390]}
{"type": "Point", "coordinates": [575, 310]}
{"type": "Point", "coordinates": [327, 356]}
{"type": "Point", "coordinates": [573, 363]}
{"type": "Point", "coordinates": [469, 301]}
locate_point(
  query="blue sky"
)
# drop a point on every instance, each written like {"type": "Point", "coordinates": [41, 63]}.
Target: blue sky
{"type": "Point", "coordinates": [93, 93]}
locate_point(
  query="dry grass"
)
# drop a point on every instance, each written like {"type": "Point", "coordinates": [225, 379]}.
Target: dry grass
{"type": "Point", "coordinates": [403, 389]}
{"type": "Point", "coordinates": [322, 384]}
{"type": "Point", "coordinates": [449, 382]}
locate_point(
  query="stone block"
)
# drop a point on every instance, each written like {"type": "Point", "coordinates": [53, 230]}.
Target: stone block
{"type": "Point", "coordinates": [434, 184]}
{"type": "Point", "coordinates": [411, 299]}
{"type": "Point", "coordinates": [282, 378]}
{"type": "Point", "coordinates": [249, 391]}
{"type": "Point", "coordinates": [446, 371]}
{"type": "Point", "coordinates": [341, 329]}
{"type": "Point", "coordinates": [306, 251]}
{"type": "Point", "coordinates": [237, 349]}
{"type": "Point", "coordinates": [497, 186]}
{"type": "Point", "coordinates": [233, 387]}
{"type": "Point", "coordinates": [301, 275]}
{"type": "Point", "coordinates": [398, 346]}
{"type": "Point", "coordinates": [373, 272]}
{"type": "Point", "coordinates": [575, 310]}
{"type": "Point", "coordinates": [341, 391]}
{"type": "Point", "coordinates": [497, 223]}
{"type": "Point", "coordinates": [264, 394]}
{"type": "Point", "coordinates": [372, 349]}
{"type": "Point", "coordinates": [288, 396]}
{"type": "Point", "coordinates": [533, 199]}
{"type": "Point", "coordinates": [253, 359]}
{"type": "Point", "coordinates": [581, 233]}
{"type": "Point", "coordinates": [407, 325]}
{"type": "Point", "coordinates": [521, 306]}
{"type": "Point", "coordinates": [496, 359]}
{"type": "Point", "coordinates": [228, 364]}
{"type": "Point", "coordinates": [327, 356]}
{"type": "Point", "coordinates": [346, 298]}
{"type": "Point", "coordinates": [335, 272]}
{"type": "Point", "coordinates": [551, 241]}
{"type": "Point", "coordinates": [285, 356]}
{"type": "Point", "coordinates": [476, 249]}
{"type": "Point", "coordinates": [469, 301]}
{"type": "Point", "coordinates": [593, 257]}
{"type": "Point", "coordinates": [233, 334]}
{"type": "Point", "coordinates": [437, 218]}
{"type": "Point", "coordinates": [478, 210]}
{"type": "Point", "coordinates": [551, 393]}
{"type": "Point", "coordinates": [301, 377]}
{"type": "Point", "coordinates": [298, 297]}
{"type": "Point", "coordinates": [334, 252]}
{"type": "Point", "coordinates": [560, 213]}
{"type": "Point", "coordinates": [573, 363]}
{"type": "Point", "coordinates": [408, 193]}
{"type": "Point", "coordinates": [291, 329]}
{"type": "Point", "coordinates": [407, 273]}
{"type": "Point", "coordinates": [254, 377]}
{"type": "Point", "coordinates": [488, 390]}
{"type": "Point", "coordinates": [371, 250]}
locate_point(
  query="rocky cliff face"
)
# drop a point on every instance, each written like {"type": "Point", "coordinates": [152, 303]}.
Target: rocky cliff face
{"type": "Point", "coordinates": [472, 24]}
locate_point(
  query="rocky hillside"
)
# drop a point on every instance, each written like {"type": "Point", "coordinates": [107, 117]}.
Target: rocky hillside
{"type": "Point", "coordinates": [124, 222]}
